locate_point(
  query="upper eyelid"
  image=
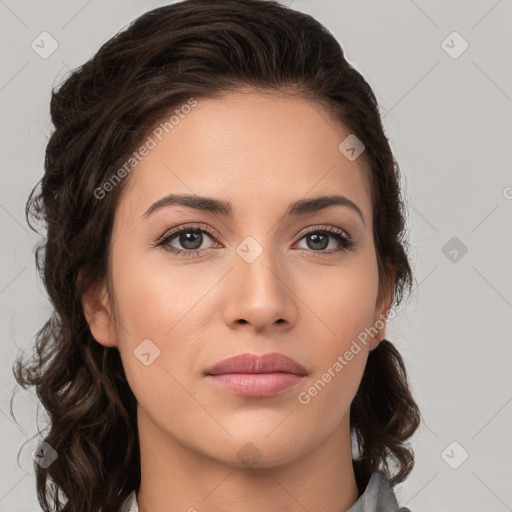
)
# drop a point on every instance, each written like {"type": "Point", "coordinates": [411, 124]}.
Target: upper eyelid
{"type": "Point", "coordinates": [320, 227]}
{"type": "Point", "coordinates": [178, 229]}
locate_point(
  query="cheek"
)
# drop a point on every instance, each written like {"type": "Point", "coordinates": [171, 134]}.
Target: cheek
{"type": "Point", "coordinates": [346, 309]}
{"type": "Point", "coordinates": [160, 302]}
{"type": "Point", "coordinates": [156, 303]}
{"type": "Point", "coordinates": [342, 301]}
{"type": "Point", "coordinates": [156, 297]}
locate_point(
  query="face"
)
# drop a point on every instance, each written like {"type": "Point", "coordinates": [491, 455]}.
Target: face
{"type": "Point", "coordinates": [250, 277]}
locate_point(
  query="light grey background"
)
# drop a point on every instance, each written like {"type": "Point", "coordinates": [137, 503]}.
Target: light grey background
{"type": "Point", "coordinates": [449, 121]}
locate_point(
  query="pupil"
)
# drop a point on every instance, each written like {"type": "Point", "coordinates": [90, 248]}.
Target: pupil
{"type": "Point", "coordinates": [319, 241]}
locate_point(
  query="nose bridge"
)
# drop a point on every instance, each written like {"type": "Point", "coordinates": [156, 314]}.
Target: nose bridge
{"type": "Point", "coordinates": [259, 293]}
{"type": "Point", "coordinates": [258, 267]}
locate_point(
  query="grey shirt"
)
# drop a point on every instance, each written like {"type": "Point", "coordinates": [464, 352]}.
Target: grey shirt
{"type": "Point", "coordinates": [377, 497]}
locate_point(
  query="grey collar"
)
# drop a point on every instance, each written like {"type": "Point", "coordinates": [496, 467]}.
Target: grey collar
{"type": "Point", "coordinates": [377, 497]}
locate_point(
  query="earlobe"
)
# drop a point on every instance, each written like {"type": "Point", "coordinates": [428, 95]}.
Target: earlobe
{"type": "Point", "coordinates": [98, 315]}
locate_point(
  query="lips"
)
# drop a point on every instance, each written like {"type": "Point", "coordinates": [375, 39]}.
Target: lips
{"type": "Point", "coordinates": [257, 376]}
{"type": "Point", "coordinates": [252, 364]}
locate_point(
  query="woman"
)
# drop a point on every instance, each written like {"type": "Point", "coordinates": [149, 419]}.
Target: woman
{"type": "Point", "coordinates": [225, 242]}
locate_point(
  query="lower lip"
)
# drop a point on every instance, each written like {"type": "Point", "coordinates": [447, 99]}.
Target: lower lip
{"type": "Point", "coordinates": [257, 385]}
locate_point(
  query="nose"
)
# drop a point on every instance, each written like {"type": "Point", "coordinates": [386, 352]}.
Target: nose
{"type": "Point", "coordinates": [259, 294]}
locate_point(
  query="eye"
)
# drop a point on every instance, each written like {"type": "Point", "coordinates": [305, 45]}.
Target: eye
{"type": "Point", "coordinates": [320, 238]}
{"type": "Point", "coordinates": [190, 238]}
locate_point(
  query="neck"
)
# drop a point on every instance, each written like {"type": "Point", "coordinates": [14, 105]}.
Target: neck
{"type": "Point", "coordinates": [175, 477]}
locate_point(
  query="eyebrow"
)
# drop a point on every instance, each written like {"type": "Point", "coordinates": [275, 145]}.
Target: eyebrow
{"type": "Point", "coordinates": [212, 205]}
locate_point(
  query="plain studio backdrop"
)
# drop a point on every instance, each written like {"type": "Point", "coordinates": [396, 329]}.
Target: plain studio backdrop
{"type": "Point", "coordinates": [443, 77]}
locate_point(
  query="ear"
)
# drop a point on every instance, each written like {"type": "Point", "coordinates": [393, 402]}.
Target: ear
{"type": "Point", "coordinates": [98, 315]}
{"type": "Point", "coordinates": [382, 307]}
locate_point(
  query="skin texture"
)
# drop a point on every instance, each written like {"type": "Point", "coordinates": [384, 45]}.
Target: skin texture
{"type": "Point", "coordinates": [260, 153]}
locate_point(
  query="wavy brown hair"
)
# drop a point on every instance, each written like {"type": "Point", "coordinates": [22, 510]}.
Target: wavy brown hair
{"type": "Point", "coordinates": [101, 113]}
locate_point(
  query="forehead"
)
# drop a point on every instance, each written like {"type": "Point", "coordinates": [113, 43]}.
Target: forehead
{"type": "Point", "coordinates": [251, 148]}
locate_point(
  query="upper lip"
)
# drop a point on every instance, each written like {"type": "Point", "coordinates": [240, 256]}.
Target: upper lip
{"type": "Point", "coordinates": [252, 363]}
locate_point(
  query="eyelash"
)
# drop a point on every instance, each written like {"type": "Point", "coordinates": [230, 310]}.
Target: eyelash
{"type": "Point", "coordinates": [344, 240]}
